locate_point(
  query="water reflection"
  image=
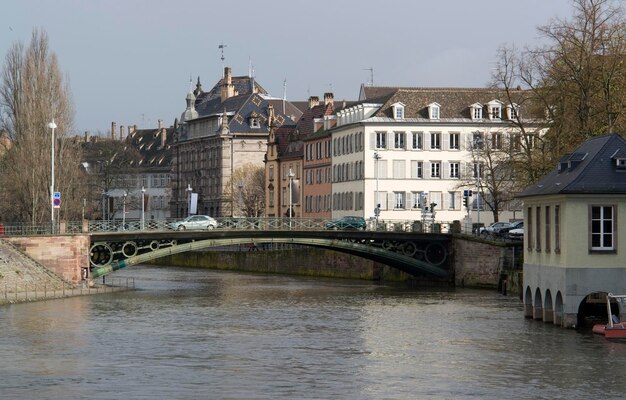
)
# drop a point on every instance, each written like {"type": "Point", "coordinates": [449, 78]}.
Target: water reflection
{"type": "Point", "coordinates": [190, 334]}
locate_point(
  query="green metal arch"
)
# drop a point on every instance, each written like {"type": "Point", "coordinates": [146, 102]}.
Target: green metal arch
{"type": "Point", "coordinates": [396, 260]}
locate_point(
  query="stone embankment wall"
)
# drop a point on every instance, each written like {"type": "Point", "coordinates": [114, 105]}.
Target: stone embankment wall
{"type": "Point", "coordinates": [485, 264]}
{"type": "Point", "coordinates": [64, 255]}
{"type": "Point", "coordinates": [298, 261]}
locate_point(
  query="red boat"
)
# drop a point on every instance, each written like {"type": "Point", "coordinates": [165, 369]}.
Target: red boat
{"type": "Point", "coordinates": [614, 329]}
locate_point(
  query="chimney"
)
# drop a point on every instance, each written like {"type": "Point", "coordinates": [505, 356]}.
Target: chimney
{"type": "Point", "coordinates": [87, 137]}
{"type": "Point", "coordinates": [329, 99]}
{"type": "Point", "coordinates": [113, 130]}
{"type": "Point", "coordinates": [121, 133]}
{"type": "Point", "coordinates": [160, 124]}
{"type": "Point", "coordinates": [163, 137]}
{"type": "Point", "coordinates": [131, 130]}
{"type": "Point", "coordinates": [228, 89]}
{"type": "Point", "coordinates": [313, 101]}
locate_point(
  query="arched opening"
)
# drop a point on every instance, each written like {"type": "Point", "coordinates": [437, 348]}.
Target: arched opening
{"type": "Point", "coordinates": [592, 310]}
{"type": "Point", "coordinates": [558, 309]}
{"type": "Point", "coordinates": [538, 306]}
{"type": "Point", "coordinates": [528, 303]}
{"type": "Point", "coordinates": [548, 311]}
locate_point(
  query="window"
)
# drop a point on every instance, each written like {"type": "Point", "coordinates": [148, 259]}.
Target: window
{"type": "Point", "coordinates": [381, 140]}
{"type": "Point", "coordinates": [398, 198]}
{"type": "Point", "coordinates": [417, 141]}
{"type": "Point", "coordinates": [547, 230]}
{"type": "Point", "coordinates": [538, 229]}
{"type": "Point", "coordinates": [454, 141]}
{"type": "Point", "coordinates": [452, 196]}
{"type": "Point", "coordinates": [433, 110]}
{"type": "Point", "coordinates": [477, 111]}
{"type": "Point", "coordinates": [435, 169]}
{"type": "Point", "coordinates": [512, 111]}
{"type": "Point", "coordinates": [529, 220]}
{"type": "Point", "coordinates": [496, 141]}
{"type": "Point", "coordinates": [399, 169]}
{"type": "Point", "coordinates": [398, 110]}
{"type": "Point", "coordinates": [478, 170]}
{"type": "Point", "coordinates": [382, 200]}
{"type": "Point", "coordinates": [271, 173]}
{"type": "Point", "coordinates": [398, 142]}
{"type": "Point", "coordinates": [454, 169]}
{"type": "Point", "coordinates": [557, 229]}
{"type": "Point", "coordinates": [417, 169]}
{"type": "Point", "coordinates": [495, 111]}
{"type": "Point", "coordinates": [602, 228]}
{"type": "Point", "coordinates": [254, 123]}
{"type": "Point", "coordinates": [416, 199]}
{"type": "Point", "coordinates": [435, 140]}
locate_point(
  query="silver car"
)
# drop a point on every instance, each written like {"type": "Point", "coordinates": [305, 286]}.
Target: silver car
{"type": "Point", "coordinates": [194, 222]}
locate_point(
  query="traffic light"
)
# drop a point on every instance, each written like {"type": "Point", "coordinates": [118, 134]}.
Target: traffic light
{"type": "Point", "coordinates": [465, 201]}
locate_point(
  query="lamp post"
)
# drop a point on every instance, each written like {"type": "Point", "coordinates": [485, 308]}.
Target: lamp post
{"type": "Point", "coordinates": [143, 208]}
{"type": "Point", "coordinates": [52, 126]}
{"type": "Point", "coordinates": [232, 169]}
{"type": "Point", "coordinates": [124, 211]}
{"type": "Point", "coordinates": [291, 175]}
{"type": "Point", "coordinates": [377, 157]}
{"type": "Point", "coordinates": [478, 142]}
{"type": "Point", "coordinates": [188, 190]}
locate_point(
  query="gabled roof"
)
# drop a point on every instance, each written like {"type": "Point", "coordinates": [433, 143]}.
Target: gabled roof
{"type": "Point", "coordinates": [591, 169]}
{"type": "Point", "coordinates": [243, 86]}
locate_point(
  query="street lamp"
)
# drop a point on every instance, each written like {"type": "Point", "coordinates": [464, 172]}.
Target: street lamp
{"type": "Point", "coordinates": [52, 126]}
{"type": "Point", "coordinates": [478, 142]}
{"type": "Point", "coordinates": [291, 175]}
{"type": "Point", "coordinates": [232, 169]}
{"type": "Point", "coordinates": [143, 210]}
{"type": "Point", "coordinates": [124, 211]}
{"type": "Point", "coordinates": [377, 157]}
{"type": "Point", "coordinates": [188, 190]}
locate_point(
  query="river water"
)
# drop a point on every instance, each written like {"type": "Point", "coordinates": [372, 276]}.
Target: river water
{"type": "Point", "coordinates": [194, 334]}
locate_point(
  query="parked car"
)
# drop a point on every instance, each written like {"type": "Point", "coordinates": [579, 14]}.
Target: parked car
{"type": "Point", "coordinates": [495, 229]}
{"type": "Point", "coordinates": [517, 233]}
{"type": "Point", "coordinates": [348, 222]}
{"type": "Point", "coordinates": [194, 222]}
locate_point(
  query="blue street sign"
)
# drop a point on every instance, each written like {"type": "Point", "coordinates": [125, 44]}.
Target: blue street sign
{"type": "Point", "coordinates": [57, 195]}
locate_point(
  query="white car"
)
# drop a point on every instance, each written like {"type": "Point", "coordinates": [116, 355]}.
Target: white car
{"type": "Point", "coordinates": [194, 222]}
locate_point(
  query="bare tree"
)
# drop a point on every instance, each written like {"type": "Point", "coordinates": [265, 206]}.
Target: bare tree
{"type": "Point", "coordinates": [577, 80]}
{"type": "Point", "coordinates": [249, 186]}
{"type": "Point", "coordinates": [32, 94]}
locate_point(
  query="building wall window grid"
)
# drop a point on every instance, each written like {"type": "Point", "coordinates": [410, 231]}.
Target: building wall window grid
{"type": "Point", "coordinates": [455, 169]}
{"type": "Point", "coordinates": [398, 200]}
{"type": "Point", "coordinates": [557, 229]}
{"type": "Point", "coordinates": [435, 169]}
{"type": "Point", "coordinates": [538, 228]}
{"type": "Point", "coordinates": [381, 140]}
{"type": "Point", "coordinates": [398, 142]}
{"type": "Point", "coordinates": [529, 224]}
{"type": "Point", "coordinates": [454, 141]}
{"type": "Point", "coordinates": [602, 221]}
{"type": "Point", "coordinates": [435, 141]}
{"type": "Point", "coordinates": [417, 141]}
{"type": "Point", "coordinates": [547, 229]}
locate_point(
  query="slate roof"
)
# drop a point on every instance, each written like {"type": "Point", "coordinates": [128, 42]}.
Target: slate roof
{"type": "Point", "coordinates": [242, 84]}
{"type": "Point", "coordinates": [591, 169]}
{"type": "Point", "coordinates": [454, 102]}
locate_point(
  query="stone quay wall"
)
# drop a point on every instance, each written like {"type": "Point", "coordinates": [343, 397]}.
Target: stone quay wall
{"type": "Point", "coordinates": [64, 255]}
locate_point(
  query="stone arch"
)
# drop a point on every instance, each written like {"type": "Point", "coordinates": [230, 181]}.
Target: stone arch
{"type": "Point", "coordinates": [528, 303]}
{"type": "Point", "coordinates": [537, 305]}
{"type": "Point", "coordinates": [548, 310]}
{"type": "Point", "coordinates": [558, 309]}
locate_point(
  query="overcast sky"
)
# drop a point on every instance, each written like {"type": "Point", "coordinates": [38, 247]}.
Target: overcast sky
{"type": "Point", "coordinates": [130, 61]}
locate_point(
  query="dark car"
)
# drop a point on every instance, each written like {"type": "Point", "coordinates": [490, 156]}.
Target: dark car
{"type": "Point", "coordinates": [348, 222]}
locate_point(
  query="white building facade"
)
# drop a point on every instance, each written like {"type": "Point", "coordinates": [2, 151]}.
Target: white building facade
{"type": "Point", "coordinates": [409, 150]}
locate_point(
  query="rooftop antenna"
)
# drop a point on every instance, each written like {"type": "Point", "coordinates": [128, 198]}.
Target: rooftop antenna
{"type": "Point", "coordinates": [190, 83]}
{"type": "Point", "coordinates": [222, 46]}
{"type": "Point", "coordinates": [284, 93]}
{"type": "Point", "coordinates": [371, 70]}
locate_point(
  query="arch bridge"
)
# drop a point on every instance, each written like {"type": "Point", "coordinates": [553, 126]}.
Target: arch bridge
{"type": "Point", "coordinates": [418, 254]}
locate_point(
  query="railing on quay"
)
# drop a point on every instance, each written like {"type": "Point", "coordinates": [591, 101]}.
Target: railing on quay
{"type": "Point", "coordinates": [229, 223]}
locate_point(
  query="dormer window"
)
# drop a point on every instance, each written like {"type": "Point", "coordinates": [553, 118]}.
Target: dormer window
{"type": "Point", "coordinates": [495, 109]}
{"type": "Point", "coordinates": [620, 163]}
{"type": "Point", "coordinates": [254, 123]}
{"type": "Point", "coordinates": [398, 110]}
{"type": "Point", "coordinates": [477, 111]}
{"type": "Point", "coordinates": [512, 112]}
{"type": "Point", "coordinates": [433, 110]}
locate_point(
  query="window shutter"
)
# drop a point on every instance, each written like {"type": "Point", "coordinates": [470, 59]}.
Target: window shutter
{"type": "Point", "coordinates": [413, 169]}
{"type": "Point", "coordinates": [390, 201]}
{"type": "Point", "coordinates": [383, 169]}
{"type": "Point", "coordinates": [372, 140]}
{"type": "Point", "coordinates": [445, 170]}
{"type": "Point", "coordinates": [446, 141]}
{"type": "Point", "coordinates": [426, 140]}
{"type": "Point", "coordinates": [457, 200]}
